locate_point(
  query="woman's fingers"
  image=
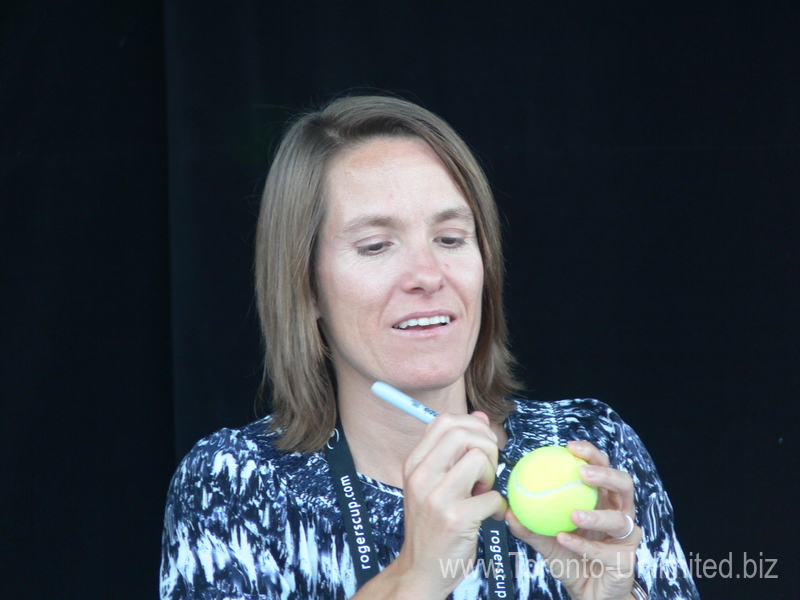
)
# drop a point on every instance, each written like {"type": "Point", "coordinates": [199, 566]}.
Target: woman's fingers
{"type": "Point", "coordinates": [447, 426]}
{"type": "Point", "coordinates": [613, 480]}
{"type": "Point", "coordinates": [472, 475]}
{"type": "Point", "coordinates": [447, 439]}
{"type": "Point", "coordinates": [605, 551]}
{"type": "Point", "coordinates": [588, 452]}
{"type": "Point", "coordinates": [615, 486]}
{"type": "Point", "coordinates": [489, 504]}
{"type": "Point", "coordinates": [463, 508]}
{"type": "Point", "coordinates": [614, 523]}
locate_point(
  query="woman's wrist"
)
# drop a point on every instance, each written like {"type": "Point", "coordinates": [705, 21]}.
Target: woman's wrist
{"type": "Point", "coordinates": [400, 582]}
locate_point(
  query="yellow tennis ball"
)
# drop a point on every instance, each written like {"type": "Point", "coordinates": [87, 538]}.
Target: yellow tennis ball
{"type": "Point", "coordinates": [545, 487]}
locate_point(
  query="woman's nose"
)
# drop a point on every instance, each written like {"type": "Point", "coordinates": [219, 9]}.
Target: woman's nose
{"type": "Point", "coordinates": [423, 272]}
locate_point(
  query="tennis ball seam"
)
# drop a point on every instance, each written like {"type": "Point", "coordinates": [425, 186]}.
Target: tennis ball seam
{"type": "Point", "coordinates": [544, 493]}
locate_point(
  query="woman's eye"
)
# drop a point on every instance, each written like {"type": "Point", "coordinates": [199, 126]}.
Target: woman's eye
{"type": "Point", "coordinates": [452, 242]}
{"type": "Point", "coordinates": [372, 249]}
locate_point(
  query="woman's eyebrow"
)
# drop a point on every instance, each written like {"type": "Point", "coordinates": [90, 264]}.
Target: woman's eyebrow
{"type": "Point", "coordinates": [376, 220]}
{"type": "Point", "coordinates": [366, 221]}
{"type": "Point", "coordinates": [454, 214]}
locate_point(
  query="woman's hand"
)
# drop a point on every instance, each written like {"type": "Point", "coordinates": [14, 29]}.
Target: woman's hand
{"type": "Point", "coordinates": [595, 561]}
{"type": "Point", "coordinates": [447, 489]}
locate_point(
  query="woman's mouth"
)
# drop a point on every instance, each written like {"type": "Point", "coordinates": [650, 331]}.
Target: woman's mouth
{"type": "Point", "coordinates": [423, 322]}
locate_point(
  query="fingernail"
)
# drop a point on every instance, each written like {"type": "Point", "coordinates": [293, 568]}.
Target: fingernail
{"type": "Point", "coordinates": [580, 516]}
{"type": "Point", "coordinates": [588, 471]}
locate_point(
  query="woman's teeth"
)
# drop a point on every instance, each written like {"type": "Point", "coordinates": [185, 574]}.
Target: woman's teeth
{"type": "Point", "coordinates": [424, 322]}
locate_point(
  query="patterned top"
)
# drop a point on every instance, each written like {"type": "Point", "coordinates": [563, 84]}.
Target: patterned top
{"type": "Point", "coordinates": [245, 520]}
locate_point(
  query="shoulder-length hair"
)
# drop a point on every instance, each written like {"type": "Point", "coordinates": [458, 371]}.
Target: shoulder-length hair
{"type": "Point", "coordinates": [297, 366]}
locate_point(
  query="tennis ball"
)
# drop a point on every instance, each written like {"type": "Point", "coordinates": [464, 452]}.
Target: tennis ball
{"type": "Point", "coordinates": [545, 487]}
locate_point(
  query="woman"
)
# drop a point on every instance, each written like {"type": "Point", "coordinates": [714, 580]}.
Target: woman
{"type": "Point", "coordinates": [378, 258]}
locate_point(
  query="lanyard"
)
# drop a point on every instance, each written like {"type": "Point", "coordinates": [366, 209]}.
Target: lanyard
{"type": "Point", "coordinates": [354, 509]}
{"type": "Point", "coordinates": [359, 533]}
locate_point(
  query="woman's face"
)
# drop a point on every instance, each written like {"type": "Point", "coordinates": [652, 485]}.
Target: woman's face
{"type": "Point", "coordinates": [400, 274]}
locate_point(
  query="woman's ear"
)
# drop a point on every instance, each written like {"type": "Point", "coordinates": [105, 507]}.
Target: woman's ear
{"type": "Point", "coordinates": [315, 304]}
{"type": "Point", "coordinates": [317, 314]}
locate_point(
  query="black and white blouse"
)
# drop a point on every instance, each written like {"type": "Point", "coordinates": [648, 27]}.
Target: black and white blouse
{"type": "Point", "coordinates": [245, 520]}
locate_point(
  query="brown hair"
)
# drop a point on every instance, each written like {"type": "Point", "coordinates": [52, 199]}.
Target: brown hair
{"type": "Point", "coordinates": [297, 364]}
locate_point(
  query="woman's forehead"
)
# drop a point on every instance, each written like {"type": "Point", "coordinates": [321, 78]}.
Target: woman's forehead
{"type": "Point", "coordinates": [382, 154]}
{"type": "Point", "coordinates": [386, 177]}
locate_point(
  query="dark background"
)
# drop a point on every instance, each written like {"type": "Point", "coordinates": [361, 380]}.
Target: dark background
{"type": "Point", "coordinates": [645, 157]}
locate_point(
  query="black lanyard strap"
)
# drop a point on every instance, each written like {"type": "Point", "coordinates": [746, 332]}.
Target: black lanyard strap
{"type": "Point", "coordinates": [353, 507]}
{"type": "Point", "coordinates": [359, 533]}
{"type": "Point", "coordinates": [495, 552]}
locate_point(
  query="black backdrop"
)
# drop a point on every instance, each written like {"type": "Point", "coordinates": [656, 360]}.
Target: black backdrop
{"type": "Point", "coordinates": [645, 157]}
